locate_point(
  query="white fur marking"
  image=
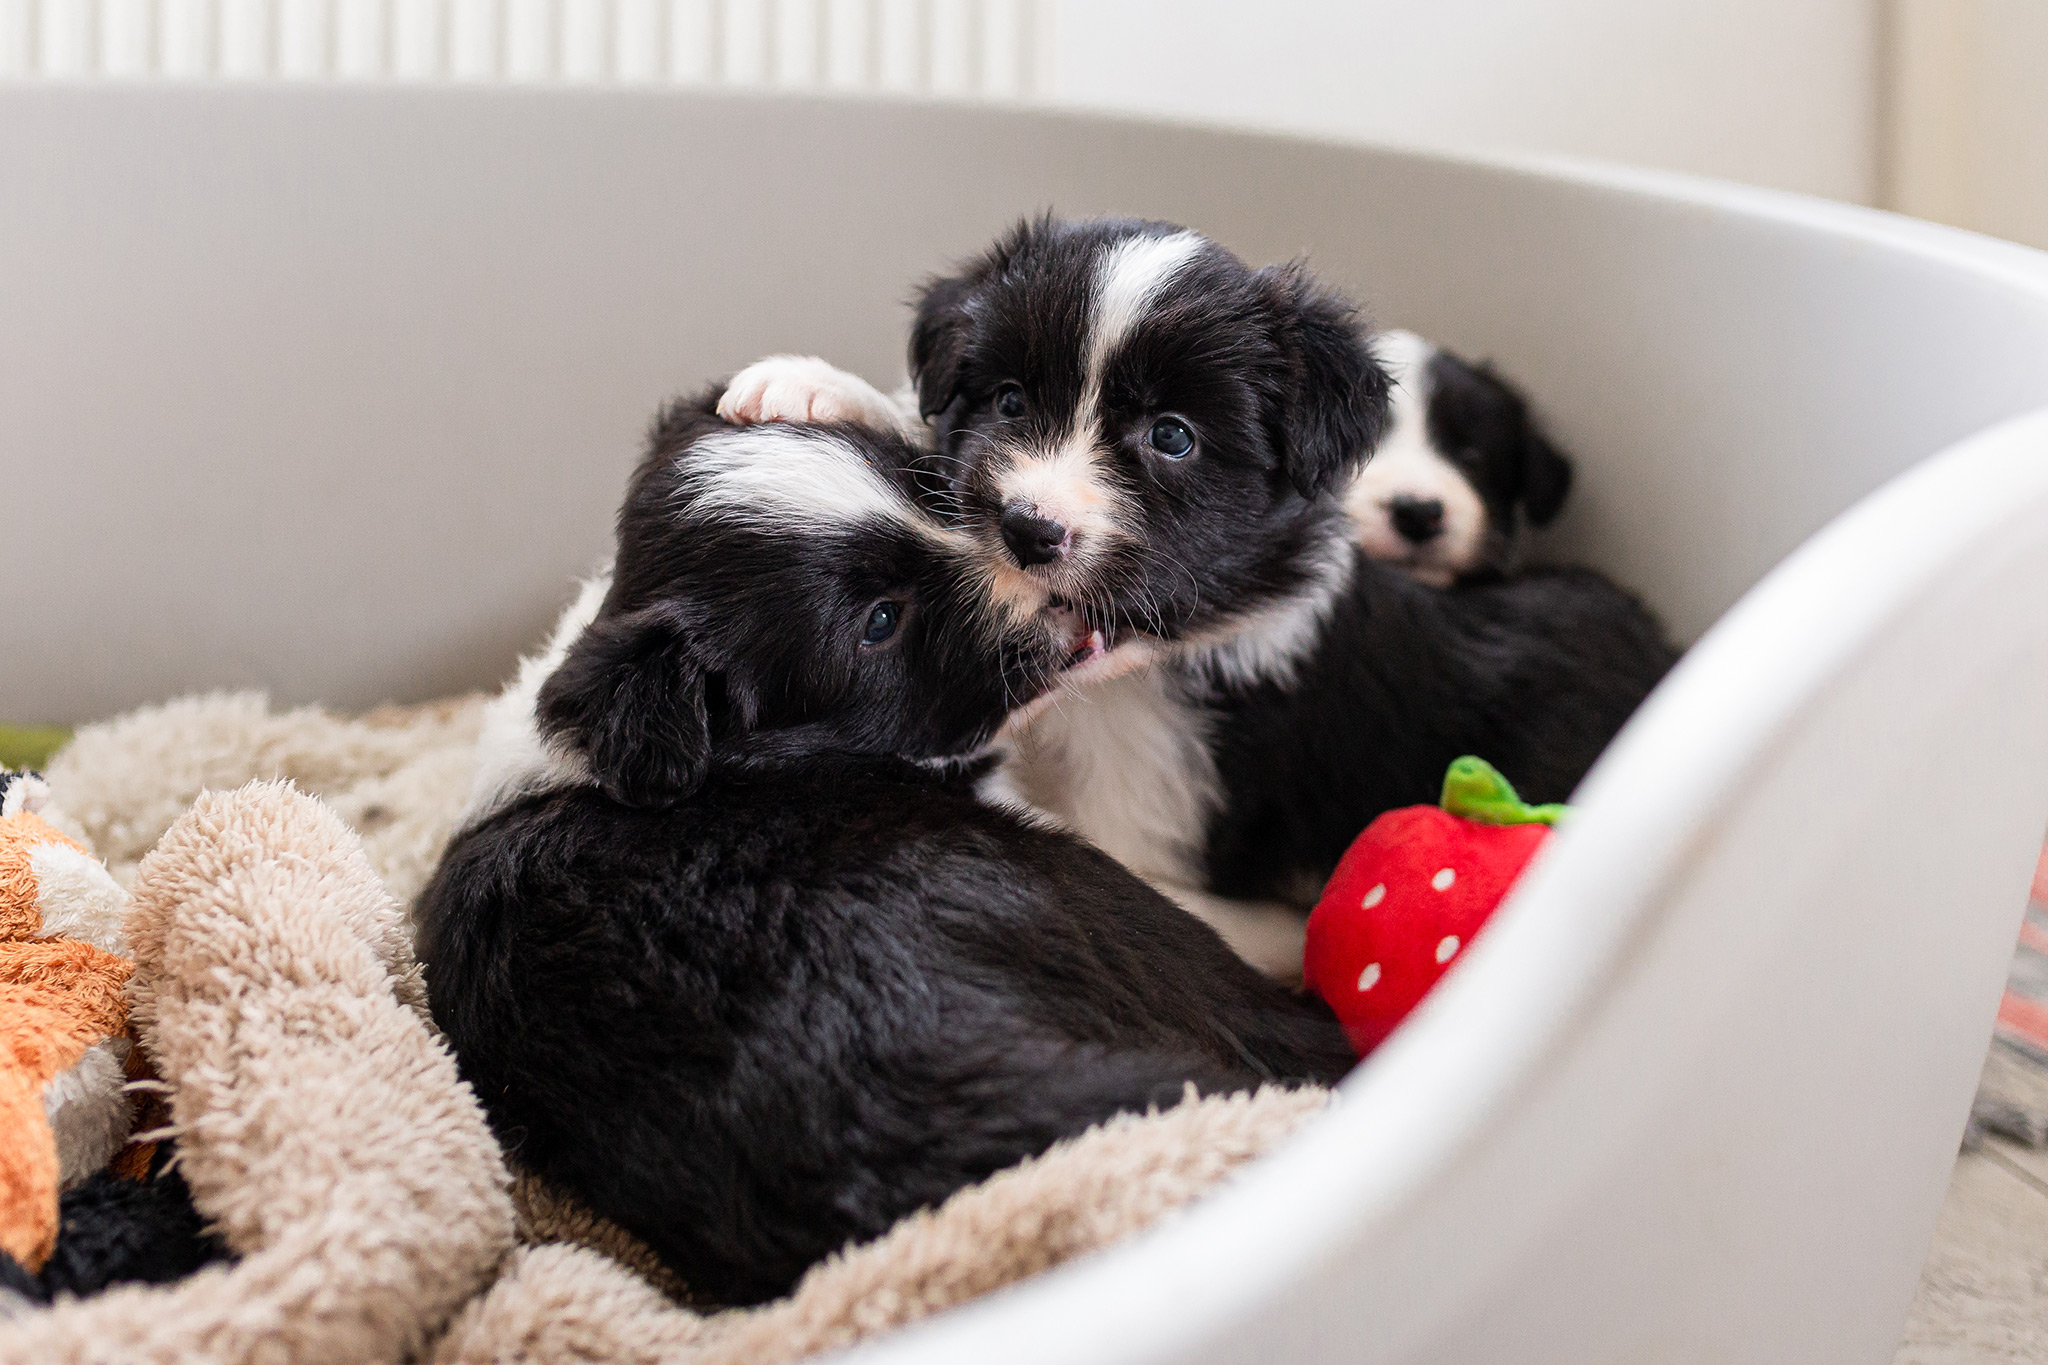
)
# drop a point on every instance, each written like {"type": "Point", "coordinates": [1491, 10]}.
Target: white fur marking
{"type": "Point", "coordinates": [1126, 761]}
{"type": "Point", "coordinates": [797, 479]}
{"type": "Point", "coordinates": [1069, 483]}
{"type": "Point", "coordinates": [1126, 279]}
{"type": "Point", "coordinates": [1268, 643]}
{"type": "Point", "coordinates": [512, 760]}
{"type": "Point", "coordinates": [79, 898]}
{"type": "Point", "coordinates": [785, 474]}
{"type": "Point", "coordinates": [1406, 463]}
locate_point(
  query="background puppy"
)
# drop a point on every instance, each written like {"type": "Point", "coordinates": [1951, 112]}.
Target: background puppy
{"type": "Point", "coordinates": [1461, 465]}
{"type": "Point", "coordinates": [1534, 672]}
{"type": "Point", "coordinates": [729, 948]}
{"type": "Point", "coordinates": [1132, 422]}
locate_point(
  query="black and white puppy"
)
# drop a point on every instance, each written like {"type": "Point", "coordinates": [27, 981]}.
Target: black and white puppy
{"type": "Point", "coordinates": [1461, 468]}
{"type": "Point", "coordinates": [727, 945]}
{"type": "Point", "coordinates": [1135, 424]}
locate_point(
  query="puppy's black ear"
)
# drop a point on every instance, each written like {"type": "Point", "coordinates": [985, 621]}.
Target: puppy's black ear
{"type": "Point", "coordinates": [1546, 476]}
{"type": "Point", "coordinates": [938, 343]}
{"type": "Point", "coordinates": [1336, 405]}
{"type": "Point", "coordinates": [630, 694]}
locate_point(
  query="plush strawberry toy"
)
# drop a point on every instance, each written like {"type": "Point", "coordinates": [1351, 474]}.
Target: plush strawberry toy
{"type": "Point", "coordinates": [1410, 893]}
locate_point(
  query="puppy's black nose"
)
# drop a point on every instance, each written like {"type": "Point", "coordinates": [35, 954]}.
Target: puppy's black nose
{"type": "Point", "coordinates": [1032, 539]}
{"type": "Point", "coordinates": [1417, 519]}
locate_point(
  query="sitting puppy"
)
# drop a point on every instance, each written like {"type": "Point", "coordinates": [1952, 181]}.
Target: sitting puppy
{"type": "Point", "coordinates": [727, 946]}
{"type": "Point", "coordinates": [1461, 465]}
{"type": "Point", "coordinates": [1133, 424]}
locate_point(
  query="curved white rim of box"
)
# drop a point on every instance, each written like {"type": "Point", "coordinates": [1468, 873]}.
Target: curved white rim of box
{"type": "Point", "coordinates": [1551, 956]}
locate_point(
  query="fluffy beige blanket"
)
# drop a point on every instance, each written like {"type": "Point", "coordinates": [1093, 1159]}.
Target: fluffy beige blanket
{"type": "Point", "coordinates": [324, 1131]}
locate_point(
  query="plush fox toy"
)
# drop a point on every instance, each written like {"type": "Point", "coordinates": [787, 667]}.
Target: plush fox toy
{"type": "Point", "coordinates": [63, 1017]}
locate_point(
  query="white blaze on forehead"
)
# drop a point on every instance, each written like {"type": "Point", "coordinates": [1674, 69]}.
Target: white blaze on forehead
{"type": "Point", "coordinates": [1405, 357]}
{"type": "Point", "coordinates": [784, 477]}
{"type": "Point", "coordinates": [1406, 463]}
{"type": "Point", "coordinates": [1068, 483]}
{"type": "Point", "coordinates": [1127, 278]}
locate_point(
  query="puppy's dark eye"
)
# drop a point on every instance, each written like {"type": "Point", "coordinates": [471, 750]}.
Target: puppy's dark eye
{"type": "Point", "coordinates": [1010, 401]}
{"type": "Point", "coordinates": [882, 621]}
{"type": "Point", "coordinates": [1170, 437]}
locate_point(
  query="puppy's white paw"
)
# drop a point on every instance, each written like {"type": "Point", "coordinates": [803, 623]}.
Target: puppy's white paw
{"type": "Point", "coordinates": [803, 388]}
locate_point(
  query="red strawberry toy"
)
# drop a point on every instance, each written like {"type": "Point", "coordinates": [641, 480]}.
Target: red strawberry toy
{"type": "Point", "coordinates": [1410, 893]}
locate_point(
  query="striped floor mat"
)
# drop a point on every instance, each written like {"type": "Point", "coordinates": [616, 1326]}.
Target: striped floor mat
{"type": "Point", "coordinates": [2012, 1098]}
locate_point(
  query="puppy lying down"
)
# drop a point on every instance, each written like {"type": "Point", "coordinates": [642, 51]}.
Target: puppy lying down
{"type": "Point", "coordinates": [727, 946]}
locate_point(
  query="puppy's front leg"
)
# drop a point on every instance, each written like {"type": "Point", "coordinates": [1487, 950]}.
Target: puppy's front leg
{"type": "Point", "coordinates": [800, 388]}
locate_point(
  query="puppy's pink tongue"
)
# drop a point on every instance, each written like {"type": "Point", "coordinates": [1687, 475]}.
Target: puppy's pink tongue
{"type": "Point", "coordinates": [1084, 643]}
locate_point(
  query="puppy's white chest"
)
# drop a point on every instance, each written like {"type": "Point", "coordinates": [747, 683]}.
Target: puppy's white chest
{"type": "Point", "coordinates": [1125, 764]}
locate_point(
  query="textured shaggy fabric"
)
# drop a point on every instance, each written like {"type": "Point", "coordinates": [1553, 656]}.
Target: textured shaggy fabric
{"type": "Point", "coordinates": [22, 835]}
{"type": "Point", "coordinates": [27, 791]}
{"type": "Point", "coordinates": [326, 1136]}
{"type": "Point", "coordinates": [88, 1111]}
{"type": "Point", "coordinates": [40, 1035]}
{"type": "Point", "coordinates": [78, 899]}
{"type": "Point", "coordinates": [61, 1111]}
{"type": "Point", "coordinates": [560, 1303]}
{"type": "Point", "coordinates": [569, 1303]}
{"type": "Point", "coordinates": [321, 1126]}
{"type": "Point", "coordinates": [398, 775]}
{"type": "Point", "coordinates": [548, 1216]}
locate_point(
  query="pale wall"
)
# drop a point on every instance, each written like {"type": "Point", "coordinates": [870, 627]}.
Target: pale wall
{"type": "Point", "coordinates": [1775, 92]}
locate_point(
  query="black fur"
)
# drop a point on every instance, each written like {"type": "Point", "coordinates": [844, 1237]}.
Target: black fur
{"type": "Point", "coordinates": [113, 1231]}
{"type": "Point", "coordinates": [1336, 400]}
{"type": "Point", "coordinates": [736, 643]}
{"type": "Point", "coordinates": [1482, 425]}
{"type": "Point", "coordinates": [774, 1019]}
{"type": "Point", "coordinates": [765, 988]}
{"type": "Point", "coordinates": [1533, 673]}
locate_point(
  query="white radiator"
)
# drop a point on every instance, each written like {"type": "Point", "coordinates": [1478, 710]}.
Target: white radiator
{"type": "Point", "coordinates": [993, 49]}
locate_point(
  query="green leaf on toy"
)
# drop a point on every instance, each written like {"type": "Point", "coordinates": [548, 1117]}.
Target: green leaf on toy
{"type": "Point", "coordinates": [1475, 790]}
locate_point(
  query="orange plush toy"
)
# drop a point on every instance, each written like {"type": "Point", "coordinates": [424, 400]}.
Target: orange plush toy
{"type": "Point", "coordinates": [63, 1018]}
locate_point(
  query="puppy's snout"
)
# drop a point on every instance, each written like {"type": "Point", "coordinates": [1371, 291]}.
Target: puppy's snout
{"type": "Point", "coordinates": [1419, 520]}
{"type": "Point", "coordinates": [1033, 539]}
